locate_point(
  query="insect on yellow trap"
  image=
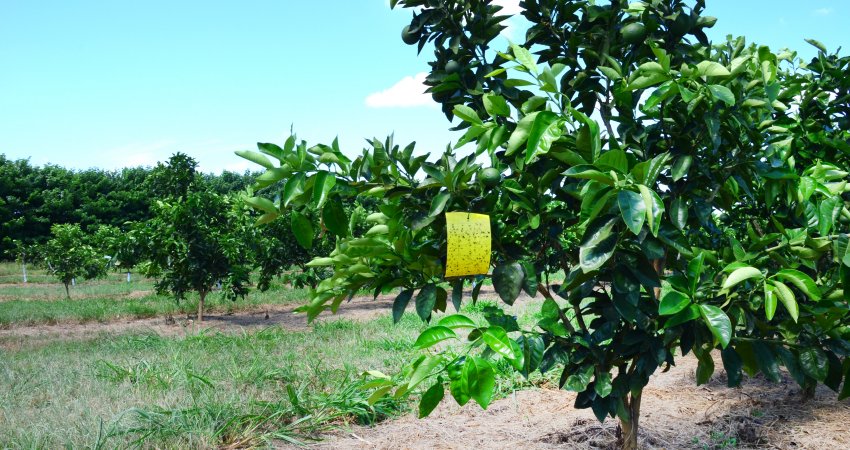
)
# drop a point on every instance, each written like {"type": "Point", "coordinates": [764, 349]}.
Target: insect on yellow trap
{"type": "Point", "coordinates": [469, 242]}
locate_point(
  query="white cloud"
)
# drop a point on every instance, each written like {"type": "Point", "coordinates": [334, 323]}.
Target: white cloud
{"type": "Point", "coordinates": [822, 11]}
{"type": "Point", "coordinates": [408, 92]}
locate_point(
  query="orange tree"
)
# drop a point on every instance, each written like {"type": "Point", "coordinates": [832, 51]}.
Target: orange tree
{"type": "Point", "coordinates": [694, 203]}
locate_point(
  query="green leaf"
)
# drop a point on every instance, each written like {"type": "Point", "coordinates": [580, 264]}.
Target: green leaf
{"type": "Point", "coordinates": [424, 370]}
{"type": "Point", "coordinates": [588, 172]}
{"type": "Point", "coordinates": [532, 353]}
{"type": "Point", "coordinates": [598, 244]}
{"type": "Point", "coordinates": [732, 364]}
{"type": "Point", "coordinates": [497, 339]}
{"type": "Point", "coordinates": [457, 293]}
{"type": "Point", "coordinates": [686, 315]}
{"type": "Point", "coordinates": [378, 394]}
{"type": "Point", "coordinates": [508, 280]}
{"type": "Point", "coordinates": [400, 304]}
{"type": "Point", "coordinates": [438, 204]}
{"type": "Point", "coordinates": [786, 296]}
{"type": "Point", "coordinates": [256, 157]}
{"type": "Point", "coordinates": [766, 361]}
{"type": "Point", "coordinates": [293, 188]}
{"type": "Point", "coordinates": [722, 93]}
{"type": "Point", "coordinates": [266, 218]}
{"type": "Point", "coordinates": [431, 398]}
{"type": "Point", "coordinates": [272, 149]}
{"type": "Point", "coordinates": [802, 281]}
{"type": "Point", "coordinates": [263, 204]}
{"type": "Point", "coordinates": [434, 335]}
{"type": "Point", "coordinates": [524, 57]}
{"type": "Point", "coordinates": [302, 229]}
{"type": "Point", "coordinates": [320, 262]}
{"type": "Point", "coordinates": [613, 160]}
{"type": "Point", "coordinates": [818, 44]}
{"type": "Point", "coordinates": [695, 271]}
{"type": "Point", "coordinates": [647, 80]}
{"type": "Point", "coordinates": [679, 213]}
{"type": "Point", "coordinates": [814, 363]}
{"type": "Point", "coordinates": [718, 322]}
{"type": "Point", "coordinates": [495, 105]}
{"type": "Point", "coordinates": [705, 368]}
{"type": "Point", "coordinates": [602, 384]}
{"type": "Point", "coordinates": [521, 133]}
{"type": "Point", "coordinates": [654, 208]}
{"type": "Point", "coordinates": [335, 218]}
{"type": "Point", "coordinates": [324, 182]}
{"type": "Point", "coordinates": [741, 274]}
{"type": "Point", "coordinates": [588, 139]}
{"type": "Point", "coordinates": [425, 301]}
{"type": "Point", "coordinates": [467, 114]}
{"type": "Point", "coordinates": [547, 127]}
{"type": "Point", "coordinates": [673, 302]}
{"type": "Point", "coordinates": [457, 321]}
{"type": "Point", "coordinates": [681, 167]}
{"type": "Point", "coordinates": [480, 380]}
{"type": "Point", "coordinates": [712, 69]}
{"type": "Point", "coordinates": [633, 210]}
{"type": "Point", "coordinates": [578, 381]}
{"type": "Point", "coordinates": [769, 302]}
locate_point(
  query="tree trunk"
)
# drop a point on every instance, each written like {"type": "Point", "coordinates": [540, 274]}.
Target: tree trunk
{"type": "Point", "coordinates": [24, 265]}
{"type": "Point", "coordinates": [128, 276]}
{"type": "Point", "coordinates": [201, 306]}
{"type": "Point", "coordinates": [628, 438]}
{"type": "Point", "coordinates": [67, 292]}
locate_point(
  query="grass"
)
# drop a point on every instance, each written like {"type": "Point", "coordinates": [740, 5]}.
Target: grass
{"type": "Point", "coordinates": [201, 391]}
{"type": "Point", "coordinates": [204, 390]}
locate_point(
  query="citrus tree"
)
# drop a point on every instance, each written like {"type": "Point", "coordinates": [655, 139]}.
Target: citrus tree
{"type": "Point", "coordinates": [193, 241]}
{"type": "Point", "coordinates": [692, 200]}
{"type": "Point", "coordinates": [69, 255]}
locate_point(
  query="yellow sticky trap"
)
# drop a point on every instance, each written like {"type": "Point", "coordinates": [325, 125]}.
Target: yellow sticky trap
{"type": "Point", "coordinates": [469, 244]}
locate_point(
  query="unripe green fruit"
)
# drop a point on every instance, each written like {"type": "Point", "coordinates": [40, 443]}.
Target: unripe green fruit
{"type": "Point", "coordinates": [408, 36]}
{"type": "Point", "coordinates": [681, 26]}
{"type": "Point", "coordinates": [634, 33]}
{"type": "Point", "coordinates": [452, 66]}
{"type": "Point", "coordinates": [489, 177]}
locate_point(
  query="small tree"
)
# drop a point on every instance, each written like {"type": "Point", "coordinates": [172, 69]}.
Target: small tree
{"type": "Point", "coordinates": [22, 253]}
{"type": "Point", "coordinates": [194, 239]}
{"type": "Point", "coordinates": [68, 256]}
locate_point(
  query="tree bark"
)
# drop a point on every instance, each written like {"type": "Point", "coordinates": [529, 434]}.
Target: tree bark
{"type": "Point", "coordinates": [201, 306]}
{"type": "Point", "coordinates": [24, 265]}
{"type": "Point", "coordinates": [67, 292]}
{"type": "Point", "coordinates": [629, 428]}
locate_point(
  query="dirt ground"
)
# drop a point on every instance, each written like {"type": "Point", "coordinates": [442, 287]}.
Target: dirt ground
{"type": "Point", "coordinates": [675, 414]}
{"type": "Point", "coordinates": [273, 315]}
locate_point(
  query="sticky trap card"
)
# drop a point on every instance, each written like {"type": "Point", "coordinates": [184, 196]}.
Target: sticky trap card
{"type": "Point", "coordinates": [468, 244]}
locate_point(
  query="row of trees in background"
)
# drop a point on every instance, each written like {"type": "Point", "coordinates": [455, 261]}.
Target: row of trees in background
{"type": "Point", "coordinates": [194, 239]}
{"type": "Point", "coordinates": [33, 198]}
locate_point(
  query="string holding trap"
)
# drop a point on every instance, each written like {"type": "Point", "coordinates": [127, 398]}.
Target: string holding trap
{"type": "Point", "coordinates": [469, 243]}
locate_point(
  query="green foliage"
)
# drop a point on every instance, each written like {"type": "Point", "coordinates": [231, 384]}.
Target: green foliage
{"type": "Point", "coordinates": [69, 256]}
{"type": "Point", "coordinates": [701, 198]}
{"type": "Point", "coordinates": [34, 198]}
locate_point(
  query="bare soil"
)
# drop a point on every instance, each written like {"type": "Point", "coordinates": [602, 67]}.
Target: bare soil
{"type": "Point", "coordinates": [676, 414]}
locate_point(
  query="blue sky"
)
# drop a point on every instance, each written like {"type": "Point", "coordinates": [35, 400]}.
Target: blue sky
{"type": "Point", "coordinates": [113, 84]}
